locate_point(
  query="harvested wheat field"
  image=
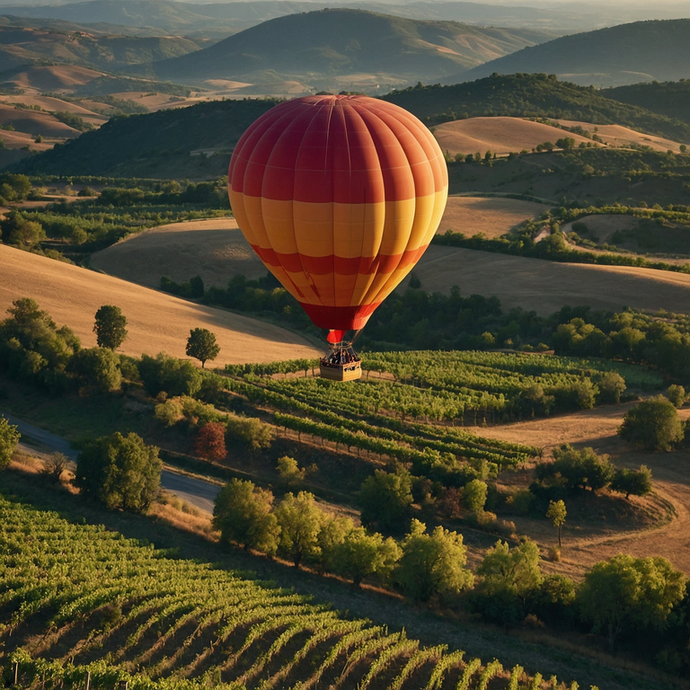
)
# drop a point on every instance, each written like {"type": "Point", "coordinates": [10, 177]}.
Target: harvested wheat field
{"type": "Point", "coordinates": [156, 322]}
{"type": "Point", "coordinates": [214, 249]}
{"type": "Point", "coordinates": [493, 216]}
{"type": "Point", "coordinates": [617, 135]}
{"type": "Point", "coordinates": [545, 286]}
{"type": "Point", "coordinates": [669, 538]}
{"type": "Point", "coordinates": [500, 135]}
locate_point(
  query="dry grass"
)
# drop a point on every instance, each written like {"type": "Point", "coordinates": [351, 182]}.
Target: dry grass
{"type": "Point", "coordinates": [545, 286]}
{"type": "Point", "coordinates": [156, 322]}
{"type": "Point", "coordinates": [492, 216]}
{"type": "Point", "coordinates": [617, 135]}
{"type": "Point", "coordinates": [668, 508]}
{"type": "Point", "coordinates": [214, 249]}
{"type": "Point", "coordinates": [35, 122]}
{"type": "Point", "coordinates": [54, 77]}
{"type": "Point", "coordinates": [500, 135]}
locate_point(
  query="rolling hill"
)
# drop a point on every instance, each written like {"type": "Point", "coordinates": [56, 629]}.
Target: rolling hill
{"type": "Point", "coordinates": [22, 46]}
{"type": "Point", "coordinates": [531, 95]}
{"type": "Point", "coordinates": [545, 286]}
{"type": "Point", "coordinates": [158, 144]}
{"type": "Point", "coordinates": [503, 135]}
{"type": "Point", "coordinates": [625, 54]}
{"type": "Point", "coordinates": [671, 98]}
{"type": "Point", "coordinates": [156, 322]}
{"type": "Point", "coordinates": [229, 17]}
{"type": "Point", "coordinates": [170, 143]}
{"type": "Point", "coordinates": [341, 42]}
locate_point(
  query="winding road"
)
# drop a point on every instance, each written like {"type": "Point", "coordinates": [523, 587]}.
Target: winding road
{"type": "Point", "coordinates": [197, 492]}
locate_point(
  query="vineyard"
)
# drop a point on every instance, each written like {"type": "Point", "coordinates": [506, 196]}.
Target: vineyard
{"type": "Point", "coordinates": [413, 409]}
{"type": "Point", "coordinates": [77, 599]}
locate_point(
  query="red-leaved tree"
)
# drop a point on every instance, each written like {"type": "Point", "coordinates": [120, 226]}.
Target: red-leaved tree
{"type": "Point", "coordinates": [210, 442]}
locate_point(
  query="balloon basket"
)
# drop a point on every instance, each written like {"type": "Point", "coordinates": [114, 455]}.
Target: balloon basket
{"type": "Point", "coordinates": [341, 363]}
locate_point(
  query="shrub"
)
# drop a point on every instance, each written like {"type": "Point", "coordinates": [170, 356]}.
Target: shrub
{"type": "Point", "coordinates": [9, 437]}
{"type": "Point", "coordinates": [653, 424]}
{"type": "Point", "coordinates": [120, 472]}
{"type": "Point", "coordinates": [242, 513]}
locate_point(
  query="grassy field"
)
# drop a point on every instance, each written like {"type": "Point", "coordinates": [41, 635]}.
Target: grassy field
{"type": "Point", "coordinates": [156, 322]}
{"type": "Point", "coordinates": [502, 135]}
{"type": "Point", "coordinates": [546, 286]}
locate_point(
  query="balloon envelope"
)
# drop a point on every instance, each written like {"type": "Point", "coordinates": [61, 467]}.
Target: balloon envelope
{"type": "Point", "coordinates": [339, 196]}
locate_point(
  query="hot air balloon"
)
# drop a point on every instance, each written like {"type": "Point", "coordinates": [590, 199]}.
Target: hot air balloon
{"type": "Point", "coordinates": [339, 196]}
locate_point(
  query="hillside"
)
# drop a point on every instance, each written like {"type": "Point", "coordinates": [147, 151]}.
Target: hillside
{"type": "Point", "coordinates": [335, 42]}
{"type": "Point", "coordinates": [671, 98]}
{"type": "Point", "coordinates": [546, 286]}
{"type": "Point", "coordinates": [503, 135]}
{"type": "Point", "coordinates": [20, 46]}
{"type": "Point", "coordinates": [230, 17]}
{"type": "Point", "coordinates": [156, 322]}
{"type": "Point", "coordinates": [625, 54]}
{"type": "Point", "coordinates": [158, 144]}
{"type": "Point", "coordinates": [530, 95]}
{"type": "Point", "coordinates": [170, 143]}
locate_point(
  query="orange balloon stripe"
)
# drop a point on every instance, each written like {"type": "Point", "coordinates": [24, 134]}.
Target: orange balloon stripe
{"type": "Point", "coordinates": [325, 265]}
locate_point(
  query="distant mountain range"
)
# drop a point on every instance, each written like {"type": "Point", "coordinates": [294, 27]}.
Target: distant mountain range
{"type": "Point", "coordinates": [625, 54]}
{"type": "Point", "coordinates": [221, 19]}
{"type": "Point", "coordinates": [22, 46]}
{"type": "Point", "coordinates": [341, 42]}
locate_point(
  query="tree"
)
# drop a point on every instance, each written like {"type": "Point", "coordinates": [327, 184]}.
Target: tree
{"type": "Point", "coordinates": [635, 482]}
{"type": "Point", "coordinates": [20, 232]}
{"type": "Point", "coordinates": [611, 386]}
{"type": "Point", "coordinates": [653, 424]}
{"type": "Point", "coordinates": [385, 500]}
{"type": "Point", "coordinates": [242, 513]}
{"type": "Point", "coordinates": [432, 564]}
{"type": "Point", "coordinates": [210, 442]}
{"type": "Point", "coordinates": [361, 554]}
{"type": "Point", "coordinates": [202, 345]}
{"type": "Point", "coordinates": [516, 569]}
{"type": "Point", "coordinates": [109, 327]}
{"type": "Point", "coordinates": [676, 394]}
{"type": "Point", "coordinates": [97, 368]}
{"type": "Point", "coordinates": [300, 521]}
{"type": "Point", "coordinates": [576, 469]}
{"type": "Point", "coordinates": [290, 472]}
{"type": "Point", "coordinates": [169, 374]}
{"type": "Point", "coordinates": [474, 496]}
{"type": "Point", "coordinates": [9, 438]}
{"type": "Point", "coordinates": [32, 347]}
{"type": "Point", "coordinates": [120, 472]}
{"type": "Point", "coordinates": [55, 464]}
{"type": "Point", "coordinates": [630, 593]}
{"type": "Point", "coordinates": [250, 431]}
{"type": "Point", "coordinates": [557, 513]}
